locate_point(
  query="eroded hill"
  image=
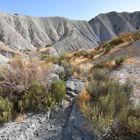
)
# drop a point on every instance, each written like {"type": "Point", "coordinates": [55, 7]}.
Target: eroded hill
{"type": "Point", "coordinates": [64, 35]}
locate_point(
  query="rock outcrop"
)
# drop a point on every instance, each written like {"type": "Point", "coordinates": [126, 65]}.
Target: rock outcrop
{"type": "Point", "coordinates": [74, 86]}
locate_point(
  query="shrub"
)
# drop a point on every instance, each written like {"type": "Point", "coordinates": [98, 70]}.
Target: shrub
{"type": "Point", "coordinates": [19, 81]}
{"type": "Point", "coordinates": [36, 99]}
{"type": "Point", "coordinates": [50, 102]}
{"type": "Point", "coordinates": [133, 36]}
{"type": "Point", "coordinates": [5, 110]}
{"type": "Point", "coordinates": [58, 90]}
{"type": "Point", "coordinates": [119, 60]}
{"type": "Point", "coordinates": [91, 55]}
{"type": "Point", "coordinates": [52, 59]}
{"type": "Point", "coordinates": [99, 64]}
{"type": "Point", "coordinates": [108, 47]}
{"type": "Point", "coordinates": [136, 35]}
{"type": "Point", "coordinates": [134, 124]}
{"type": "Point", "coordinates": [122, 38]}
{"type": "Point", "coordinates": [97, 85]}
{"type": "Point", "coordinates": [33, 99]}
{"type": "Point", "coordinates": [83, 53]}
{"type": "Point", "coordinates": [45, 56]}
{"type": "Point", "coordinates": [100, 74]}
{"type": "Point", "coordinates": [21, 72]}
{"type": "Point", "coordinates": [68, 68]}
{"type": "Point", "coordinates": [116, 41]}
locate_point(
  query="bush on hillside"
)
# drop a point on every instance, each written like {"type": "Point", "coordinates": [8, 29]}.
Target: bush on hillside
{"type": "Point", "coordinates": [116, 41]}
{"type": "Point", "coordinates": [109, 110]}
{"type": "Point", "coordinates": [110, 44]}
{"type": "Point", "coordinates": [85, 54]}
{"type": "Point", "coordinates": [33, 99]}
{"type": "Point", "coordinates": [51, 59]}
{"type": "Point", "coordinates": [119, 60]}
{"type": "Point", "coordinates": [99, 64]}
{"type": "Point", "coordinates": [21, 72]}
{"type": "Point", "coordinates": [58, 90]}
{"type": "Point", "coordinates": [100, 74]}
{"type": "Point", "coordinates": [6, 110]}
{"type": "Point", "coordinates": [68, 68]}
{"type": "Point", "coordinates": [24, 85]}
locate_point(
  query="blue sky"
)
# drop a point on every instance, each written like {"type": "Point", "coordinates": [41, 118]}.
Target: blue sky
{"type": "Point", "coordinates": [73, 9]}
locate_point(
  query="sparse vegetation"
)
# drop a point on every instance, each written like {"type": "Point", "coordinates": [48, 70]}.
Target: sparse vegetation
{"type": "Point", "coordinates": [120, 60]}
{"type": "Point", "coordinates": [109, 109]}
{"type": "Point", "coordinates": [122, 38]}
{"type": "Point", "coordinates": [58, 90]}
{"type": "Point", "coordinates": [109, 45]}
{"type": "Point", "coordinates": [51, 59]}
{"type": "Point", "coordinates": [33, 99]}
{"type": "Point", "coordinates": [68, 68]}
{"type": "Point", "coordinates": [23, 88]}
{"type": "Point", "coordinates": [103, 64]}
{"type": "Point", "coordinates": [116, 41]}
{"type": "Point", "coordinates": [99, 64]}
{"type": "Point", "coordinates": [110, 63]}
{"type": "Point", "coordinates": [85, 54]}
{"type": "Point", "coordinates": [133, 36]}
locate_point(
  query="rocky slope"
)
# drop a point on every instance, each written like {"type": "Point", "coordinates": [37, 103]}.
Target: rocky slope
{"type": "Point", "coordinates": [66, 122]}
{"type": "Point", "coordinates": [65, 35]}
{"type": "Point", "coordinates": [108, 26]}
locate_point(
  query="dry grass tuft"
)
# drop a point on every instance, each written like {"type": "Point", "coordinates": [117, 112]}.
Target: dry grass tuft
{"type": "Point", "coordinates": [23, 73]}
{"type": "Point", "coordinates": [20, 118]}
{"type": "Point", "coordinates": [82, 98]}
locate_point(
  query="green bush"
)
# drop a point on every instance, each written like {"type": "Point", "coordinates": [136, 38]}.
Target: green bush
{"type": "Point", "coordinates": [117, 41]}
{"type": "Point", "coordinates": [33, 99]}
{"type": "Point", "coordinates": [119, 60]}
{"type": "Point", "coordinates": [58, 90]}
{"type": "Point", "coordinates": [134, 124]}
{"type": "Point", "coordinates": [36, 99]}
{"type": "Point", "coordinates": [136, 35]}
{"type": "Point", "coordinates": [5, 110]}
{"type": "Point", "coordinates": [97, 85]}
{"type": "Point", "coordinates": [68, 68]}
{"type": "Point", "coordinates": [99, 64]}
{"type": "Point", "coordinates": [108, 47]}
{"type": "Point", "coordinates": [83, 53]}
{"type": "Point", "coordinates": [52, 59]}
{"type": "Point", "coordinates": [100, 74]}
{"type": "Point", "coordinates": [50, 102]}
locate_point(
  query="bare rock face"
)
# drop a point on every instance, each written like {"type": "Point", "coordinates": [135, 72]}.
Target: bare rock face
{"type": "Point", "coordinates": [107, 26]}
{"type": "Point", "coordinates": [22, 32]}
{"type": "Point", "coordinates": [74, 87]}
{"type": "Point", "coordinates": [64, 35]}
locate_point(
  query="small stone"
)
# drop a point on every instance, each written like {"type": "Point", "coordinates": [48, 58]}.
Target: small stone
{"type": "Point", "coordinates": [52, 126]}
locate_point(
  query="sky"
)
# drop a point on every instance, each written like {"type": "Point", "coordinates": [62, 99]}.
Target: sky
{"type": "Point", "coordinates": [73, 9]}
